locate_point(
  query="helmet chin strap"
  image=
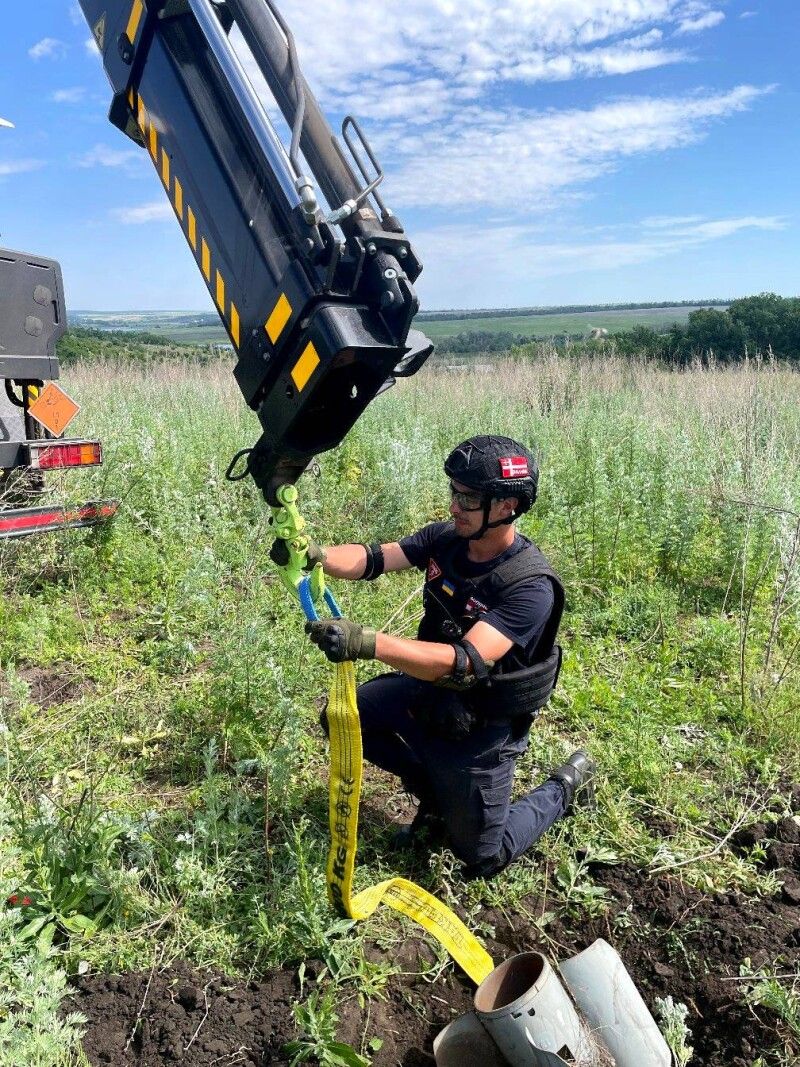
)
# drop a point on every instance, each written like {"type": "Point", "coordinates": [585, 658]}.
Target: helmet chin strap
{"type": "Point", "coordinates": [486, 525]}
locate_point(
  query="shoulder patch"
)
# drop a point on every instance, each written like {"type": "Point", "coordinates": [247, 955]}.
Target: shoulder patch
{"type": "Point", "coordinates": [475, 606]}
{"type": "Point", "coordinates": [434, 570]}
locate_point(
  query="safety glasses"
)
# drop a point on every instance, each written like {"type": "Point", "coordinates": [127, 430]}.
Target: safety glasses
{"type": "Point", "coordinates": [466, 501]}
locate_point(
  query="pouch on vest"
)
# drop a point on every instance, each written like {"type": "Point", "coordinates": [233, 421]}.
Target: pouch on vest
{"type": "Point", "coordinates": [518, 693]}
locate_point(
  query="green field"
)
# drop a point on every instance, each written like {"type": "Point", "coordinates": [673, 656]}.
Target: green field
{"type": "Point", "coordinates": [550, 325]}
{"type": "Point", "coordinates": [175, 327]}
{"type": "Point", "coordinates": [163, 800]}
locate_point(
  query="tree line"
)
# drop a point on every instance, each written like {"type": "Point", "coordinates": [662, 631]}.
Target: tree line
{"type": "Point", "coordinates": [766, 325]}
{"type": "Point", "coordinates": [90, 344]}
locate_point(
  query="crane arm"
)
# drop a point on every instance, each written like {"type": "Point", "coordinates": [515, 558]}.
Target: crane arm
{"type": "Point", "coordinates": [318, 304]}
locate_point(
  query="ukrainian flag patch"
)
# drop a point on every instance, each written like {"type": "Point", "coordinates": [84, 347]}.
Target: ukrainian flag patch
{"type": "Point", "coordinates": [448, 587]}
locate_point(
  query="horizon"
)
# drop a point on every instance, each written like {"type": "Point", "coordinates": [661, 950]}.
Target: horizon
{"type": "Point", "coordinates": [530, 309]}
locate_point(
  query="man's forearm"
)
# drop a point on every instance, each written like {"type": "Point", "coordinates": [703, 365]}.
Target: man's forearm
{"type": "Point", "coordinates": [426, 660]}
{"type": "Point", "coordinates": [345, 561]}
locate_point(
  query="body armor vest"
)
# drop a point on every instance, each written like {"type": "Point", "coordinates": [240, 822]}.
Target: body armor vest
{"type": "Point", "coordinates": [520, 683]}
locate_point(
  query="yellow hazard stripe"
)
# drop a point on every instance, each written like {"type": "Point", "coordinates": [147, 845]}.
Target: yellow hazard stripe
{"type": "Point", "coordinates": [343, 801]}
{"type": "Point", "coordinates": [305, 367]}
{"type": "Point", "coordinates": [192, 229]}
{"type": "Point", "coordinates": [151, 136]}
{"type": "Point", "coordinates": [235, 324]}
{"type": "Point", "coordinates": [179, 199]}
{"type": "Point", "coordinates": [172, 184]}
{"type": "Point", "coordinates": [281, 314]}
{"type": "Point", "coordinates": [134, 19]}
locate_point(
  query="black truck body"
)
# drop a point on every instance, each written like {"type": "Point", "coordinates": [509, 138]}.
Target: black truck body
{"type": "Point", "coordinates": [32, 319]}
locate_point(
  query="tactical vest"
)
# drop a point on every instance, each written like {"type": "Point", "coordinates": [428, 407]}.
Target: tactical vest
{"type": "Point", "coordinates": [520, 683]}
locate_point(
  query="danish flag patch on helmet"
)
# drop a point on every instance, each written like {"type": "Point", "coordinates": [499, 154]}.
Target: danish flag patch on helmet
{"type": "Point", "coordinates": [514, 467]}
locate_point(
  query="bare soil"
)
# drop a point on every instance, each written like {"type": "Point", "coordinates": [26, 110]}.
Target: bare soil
{"type": "Point", "coordinates": [51, 686]}
{"type": "Point", "coordinates": [673, 939]}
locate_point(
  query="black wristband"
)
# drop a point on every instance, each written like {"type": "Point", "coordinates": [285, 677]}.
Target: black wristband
{"type": "Point", "coordinates": [375, 563]}
{"type": "Point", "coordinates": [461, 664]}
{"type": "Point", "coordinates": [479, 666]}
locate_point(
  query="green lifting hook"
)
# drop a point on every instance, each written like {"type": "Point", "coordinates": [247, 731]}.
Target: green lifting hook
{"type": "Point", "coordinates": [289, 526]}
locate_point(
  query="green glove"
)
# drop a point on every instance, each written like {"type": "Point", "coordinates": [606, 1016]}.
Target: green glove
{"type": "Point", "coordinates": [342, 640]}
{"type": "Point", "coordinates": [279, 554]}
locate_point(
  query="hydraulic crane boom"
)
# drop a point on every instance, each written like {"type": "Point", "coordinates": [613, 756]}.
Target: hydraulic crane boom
{"type": "Point", "coordinates": [318, 303]}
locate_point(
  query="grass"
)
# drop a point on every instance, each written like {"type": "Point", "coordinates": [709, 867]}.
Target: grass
{"type": "Point", "coordinates": [176, 780]}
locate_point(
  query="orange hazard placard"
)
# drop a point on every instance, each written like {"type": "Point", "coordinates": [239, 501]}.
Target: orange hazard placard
{"type": "Point", "coordinates": [54, 409]}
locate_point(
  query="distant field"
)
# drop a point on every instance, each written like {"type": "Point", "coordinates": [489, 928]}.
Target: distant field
{"type": "Point", "coordinates": [567, 323]}
{"type": "Point", "coordinates": [183, 326]}
{"type": "Point", "coordinates": [202, 329]}
{"type": "Point", "coordinates": [192, 335]}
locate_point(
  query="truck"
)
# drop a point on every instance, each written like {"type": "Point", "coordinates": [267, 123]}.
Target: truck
{"type": "Point", "coordinates": [311, 272]}
{"type": "Point", "coordinates": [32, 319]}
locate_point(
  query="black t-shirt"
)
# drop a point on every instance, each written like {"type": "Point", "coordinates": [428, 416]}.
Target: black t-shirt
{"type": "Point", "coordinates": [525, 608]}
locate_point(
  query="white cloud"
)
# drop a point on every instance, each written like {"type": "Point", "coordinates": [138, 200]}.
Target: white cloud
{"type": "Point", "coordinates": [701, 22]}
{"type": "Point", "coordinates": [422, 59]}
{"type": "Point", "coordinates": [155, 211]}
{"type": "Point", "coordinates": [694, 230]}
{"type": "Point", "coordinates": [90, 46]}
{"type": "Point", "coordinates": [48, 48]}
{"type": "Point", "coordinates": [19, 166]}
{"type": "Point", "coordinates": [76, 14]}
{"type": "Point", "coordinates": [527, 160]}
{"type": "Point", "coordinates": [668, 222]}
{"type": "Point", "coordinates": [103, 156]}
{"type": "Point", "coordinates": [614, 59]}
{"type": "Point", "coordinates": [481, 42]}
{"type": "Point", "coordinates": [69, 96]}
{"type": "Point", "coordinates": [453, 276]}
{"type": "Point", "coordinates": [748, 14]}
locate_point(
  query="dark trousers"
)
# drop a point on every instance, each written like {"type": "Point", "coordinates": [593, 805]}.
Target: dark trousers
{"type": "Point", "coordinates": [466, 782]}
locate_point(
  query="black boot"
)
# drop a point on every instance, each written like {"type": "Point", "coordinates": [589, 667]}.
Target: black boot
{"type": "Point", "coordinates": [424, 822]}
{"type": "Point", "coordinates": [577, 776]}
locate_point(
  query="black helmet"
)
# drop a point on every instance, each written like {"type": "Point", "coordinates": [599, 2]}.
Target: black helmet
{"type": "Point", "coordinates": [497, 467]}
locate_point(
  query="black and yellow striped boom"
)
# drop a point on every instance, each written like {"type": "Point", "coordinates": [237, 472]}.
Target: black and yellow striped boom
{"type": "Point", "coordinates": [312, 276]}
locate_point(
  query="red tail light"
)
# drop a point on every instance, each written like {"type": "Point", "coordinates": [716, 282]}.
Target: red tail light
{"type": "Point", "coordinates": [52, 455]}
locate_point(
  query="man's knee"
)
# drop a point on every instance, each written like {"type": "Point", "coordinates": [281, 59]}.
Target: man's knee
{"type": "Point", "coordinates": [480, 849]}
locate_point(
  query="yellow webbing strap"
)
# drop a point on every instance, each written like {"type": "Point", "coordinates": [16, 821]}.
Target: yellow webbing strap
{"type": "Point", "coordinates": [398, 893]}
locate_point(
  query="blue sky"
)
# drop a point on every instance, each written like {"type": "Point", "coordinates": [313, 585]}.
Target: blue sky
{"type": "Point", "coordinates": [538, 151]}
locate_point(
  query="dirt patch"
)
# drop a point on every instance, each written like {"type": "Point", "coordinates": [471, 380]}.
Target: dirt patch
{"type": "Point", "coordinates": [182, 1015]}
{"type": "Point", "coordinates": [673, 939]}
{"type": "Point", "coordinates": [51, 686]}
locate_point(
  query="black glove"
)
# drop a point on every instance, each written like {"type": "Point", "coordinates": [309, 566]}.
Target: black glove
{"type": "Point", "coordinates": [342, 640]}
{"type": "Point", "coordinates": [279, 554]}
